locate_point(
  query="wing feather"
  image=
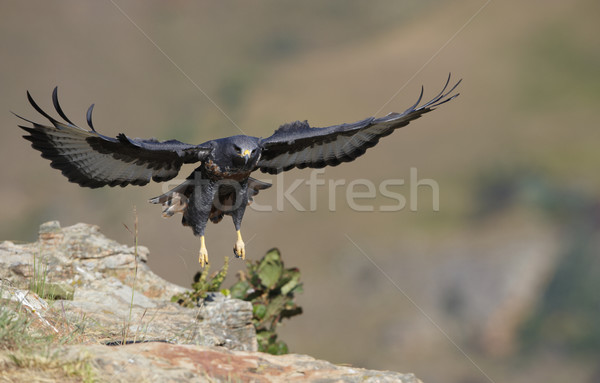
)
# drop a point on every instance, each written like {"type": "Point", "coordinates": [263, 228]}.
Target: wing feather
{"type": "Point", "coordinates": [297, 145]}
{"type": "Point", "coordinates": [91, 159]}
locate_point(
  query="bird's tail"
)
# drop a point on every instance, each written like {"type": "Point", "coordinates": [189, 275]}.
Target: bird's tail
{"type": "Point", "coordinates": [226, 198]}
{"type": "Point", "coordinates": [254, 186]}
{"type": "Point", "coordinates": [175, 200]}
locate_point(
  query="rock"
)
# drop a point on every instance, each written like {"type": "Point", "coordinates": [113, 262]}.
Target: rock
{"type": "Point", "coordinates": [125, 327]}
{"type": "Point", "coordinates": [102, 273]}
{"type": "Point", "coordinates": [163, 362]}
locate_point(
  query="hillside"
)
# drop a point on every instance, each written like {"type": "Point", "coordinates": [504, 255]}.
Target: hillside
{"type": "Point", "coordinates": [515, 158]}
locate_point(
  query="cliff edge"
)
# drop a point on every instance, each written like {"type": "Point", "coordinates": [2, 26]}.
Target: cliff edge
{"type": "Point", "coordinates": [103, 315]}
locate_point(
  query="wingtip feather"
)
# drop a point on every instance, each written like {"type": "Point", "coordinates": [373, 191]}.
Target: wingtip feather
{"type": "Point", "coordinates": [418, 100]}
{"type": "Point", "coordinates": [58, 107]}
{"type": "Point", "coordinates": [40, 110]}
{"type": "Point", "coordinates": [88, 116]}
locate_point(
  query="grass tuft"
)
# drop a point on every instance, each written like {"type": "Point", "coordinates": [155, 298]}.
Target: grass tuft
{"type": "Point", "coordinates": [135, 234]}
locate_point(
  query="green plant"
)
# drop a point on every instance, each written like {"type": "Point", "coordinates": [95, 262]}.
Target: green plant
{"type": "Point", "coordinates": [29, 353]}
{"type": "Point", "coordinates": [135, 234]}
{"type": "Point", "coordinates": [37, 283]}
{"type": "Point", "coordinates": [270, 288]}
{"type": "Point", "coordinates": [266, 284]}
{"type": "Point", "coordinates": [18, 332]}
{"type": "Point", "coordinates": [203, 284]}
{"type": "Point", "coordinates": [13, 329]}
{"type": "Point", "coordinates": [33, 366]}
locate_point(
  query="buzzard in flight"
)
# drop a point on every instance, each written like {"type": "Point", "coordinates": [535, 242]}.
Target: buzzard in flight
{"type": "Point", "coordinates": [221, 185]}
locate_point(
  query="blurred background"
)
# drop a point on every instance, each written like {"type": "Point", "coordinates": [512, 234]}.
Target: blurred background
{"type": "Point", "coordinates": [501, 284]}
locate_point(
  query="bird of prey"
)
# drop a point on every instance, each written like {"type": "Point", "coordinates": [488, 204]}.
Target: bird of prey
{"type": "Point", "coordinates": [221, 184]}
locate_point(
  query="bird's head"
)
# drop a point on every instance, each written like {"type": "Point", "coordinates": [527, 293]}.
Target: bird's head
{"type": "Point", "coordinates": [244, 152]}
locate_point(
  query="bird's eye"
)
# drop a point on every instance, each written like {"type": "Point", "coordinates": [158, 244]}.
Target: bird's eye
{"type": "Point", "coordinates": [237, 149]}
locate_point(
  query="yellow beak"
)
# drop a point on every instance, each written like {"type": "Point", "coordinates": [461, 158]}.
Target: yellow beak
{"type": "Point", "coordinates": [246, 153]}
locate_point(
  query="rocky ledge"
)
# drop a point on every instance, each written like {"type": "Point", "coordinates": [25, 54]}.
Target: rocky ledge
{"type": "Point", "coordinates": [123, 331]}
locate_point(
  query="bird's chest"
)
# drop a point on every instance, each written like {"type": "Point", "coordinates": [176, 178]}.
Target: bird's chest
{"type": "Point", "coordinates": [218, 171]}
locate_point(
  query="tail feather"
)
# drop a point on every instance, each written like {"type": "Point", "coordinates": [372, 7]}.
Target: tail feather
{"type": "Point", "coordinates": [254, 186]}
{"type": "Point", "coordinates": [227, 199]}
{"type": "Point", "coordinates": [173, 201]}
{"type": "Point", "coordinates": [177, 199]}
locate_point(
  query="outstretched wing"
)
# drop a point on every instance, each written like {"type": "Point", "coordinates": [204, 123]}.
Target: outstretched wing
{"type": "Point", "coordinates": [298, 145]}
{"type": "Point", "coordinates": [93, 160]}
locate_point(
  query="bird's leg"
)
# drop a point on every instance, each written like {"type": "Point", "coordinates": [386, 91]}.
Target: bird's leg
{"type": "Point", "coordinates": [241, 201]}
{"type": "Point", "coordinates": [198, 209]}
{"type": "Point", "coordinates": [203, 257]}
{"type": "Point", "coordinates": [240, 248]}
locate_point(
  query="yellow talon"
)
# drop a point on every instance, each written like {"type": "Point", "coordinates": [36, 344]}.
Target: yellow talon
{"type": "Point", "coordinates": [203, 257]}
{"type": "Point", "coordinates": [239, 249]}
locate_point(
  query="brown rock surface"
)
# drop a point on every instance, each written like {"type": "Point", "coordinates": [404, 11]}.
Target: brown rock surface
{"type": "Point", "coordinates": [163, 362]}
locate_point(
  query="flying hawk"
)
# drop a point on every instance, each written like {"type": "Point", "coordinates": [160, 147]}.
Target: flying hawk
{"type": "Point", "coordinates": [221, 185]}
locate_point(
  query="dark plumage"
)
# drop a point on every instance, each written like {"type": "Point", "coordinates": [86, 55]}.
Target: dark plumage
{"type": "Point", "coordinates": [221, 185]}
